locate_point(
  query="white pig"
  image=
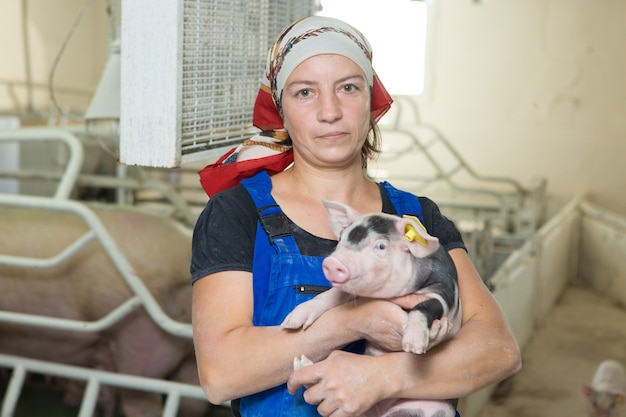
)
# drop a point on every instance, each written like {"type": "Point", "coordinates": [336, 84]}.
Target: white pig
{"type": "Point", "coordinates": [89, 286]}
{"type": "Point", "coordinates": [607, 390]}
{"type": "Point", "coordinates": [384, 256]}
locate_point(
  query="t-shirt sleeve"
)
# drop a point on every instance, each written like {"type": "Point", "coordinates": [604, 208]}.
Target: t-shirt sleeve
{"type": "Point", "coordinates": [223, 237]}
{"type": "Point", "coordinates": [440, 226]}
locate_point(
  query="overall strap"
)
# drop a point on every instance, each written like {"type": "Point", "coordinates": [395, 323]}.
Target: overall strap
{"type": "Point", "coordinates": [403, 201]}
{"type": "Point", "coordinates": [277, 226]}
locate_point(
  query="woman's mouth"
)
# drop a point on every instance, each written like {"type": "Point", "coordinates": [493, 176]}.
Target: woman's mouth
{"type": "Point", "coordinates": [333, 135]}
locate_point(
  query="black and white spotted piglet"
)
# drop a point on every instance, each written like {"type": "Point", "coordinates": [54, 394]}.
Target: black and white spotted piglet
{"type": "Point", "coordinates": [385, 256]}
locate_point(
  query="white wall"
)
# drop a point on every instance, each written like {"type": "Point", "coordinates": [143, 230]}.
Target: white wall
{"type": "Point", "coordinates": [533, 88]}
{"type": "Point", "coordinates": [601, 264]}
{"type": "Point", "coordinates": [48, 22]}
{"type": "Point", "coordinates": [582, 245]}
{"type": "Point", "coordinates": [522, 88]}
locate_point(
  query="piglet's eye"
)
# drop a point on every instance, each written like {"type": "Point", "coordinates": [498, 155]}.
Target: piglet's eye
{"type": "Point", "coordinates": [380, 245]}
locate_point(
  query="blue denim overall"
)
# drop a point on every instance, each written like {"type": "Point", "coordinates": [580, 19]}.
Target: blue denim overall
{"type": "Point", "coordinates": [284, 278]}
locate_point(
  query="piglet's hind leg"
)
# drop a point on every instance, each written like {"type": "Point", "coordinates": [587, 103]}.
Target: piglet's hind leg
{"type": "Point", "coordinates": [301, 362]}
{"type": "Point", "coordinates": [417, 333]}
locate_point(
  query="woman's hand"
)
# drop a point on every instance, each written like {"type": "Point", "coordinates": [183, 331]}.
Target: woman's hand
{"type": "Point", "coordinates": [343, 385]}
{"type": "Point", "coordinates": [379, 322]}
{"type": "Point", "coordinates": [383, 322]}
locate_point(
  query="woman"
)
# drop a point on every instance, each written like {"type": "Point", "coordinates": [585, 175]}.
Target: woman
{"type": "Point", "coordinates": [258, 247]}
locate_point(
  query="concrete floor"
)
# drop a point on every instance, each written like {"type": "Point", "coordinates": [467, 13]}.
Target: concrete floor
{"type": "Point", "coordinates": [581, 331]}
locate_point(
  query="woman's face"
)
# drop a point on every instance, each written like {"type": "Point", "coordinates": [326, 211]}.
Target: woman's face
{"type": "Point", "coordinates": [326, 109]}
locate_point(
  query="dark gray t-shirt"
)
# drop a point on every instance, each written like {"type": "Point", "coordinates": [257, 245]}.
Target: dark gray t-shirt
{"type": "Point", "coordinates": [225, 232]}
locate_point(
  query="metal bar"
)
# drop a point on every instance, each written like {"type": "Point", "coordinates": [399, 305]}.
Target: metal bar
{"type": "Point", "coordinates": [106, 378]}
{"type": "Point", "coordinates": [171, 404]}
{"type": "Point", "coordinates": [43, 263]}
{"type": "Point", "coordinates": [442, 175]}
{"type": "Point", "coordinates": [72, 325]}
{"type": "Point", "coordinates": [13, 391]}
{"type": "Point", "coordinates": [90, 397]}
{"type": "Point", "coordinates": [117, 257]}
{"type": "Point", "coordinates": [515, 260]}
{"type": "Point", "coordinates": [44, 86]}
{"type": "Point", "coordinates": [167, 190]}
{"type": "Point", "coordinates": [75, 163]}
{"type": "Point", "coordinates": [604, 216]}
{"type": "Point", "coordinates": [416, 116]}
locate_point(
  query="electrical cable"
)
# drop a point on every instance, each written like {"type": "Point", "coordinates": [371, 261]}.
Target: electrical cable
{"type": "Point", "coordinates": [58, 58]}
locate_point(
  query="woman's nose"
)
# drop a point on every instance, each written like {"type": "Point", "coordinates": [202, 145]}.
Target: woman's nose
{"type": "Point", "coordinates": [330, 108]}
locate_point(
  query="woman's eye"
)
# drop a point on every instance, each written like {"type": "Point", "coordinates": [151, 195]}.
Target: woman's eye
{"type": "Point", "coordinates": [348, 88]}
{"type": "Point", "coordinates": [304, 93]}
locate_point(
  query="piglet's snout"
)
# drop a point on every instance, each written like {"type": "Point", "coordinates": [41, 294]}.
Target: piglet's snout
{"type": "Point", "coordinates": [335, 271]}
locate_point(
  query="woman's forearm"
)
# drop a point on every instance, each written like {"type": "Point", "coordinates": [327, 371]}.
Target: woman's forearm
{"type": "Point", "coordinates": [482, 353]}
{"type": "Point", "coordinates": [252, 359]}
{"type": "Point", "coordinates": [237, 359]}
{"type": "Point", "coordinates": [476, 358]}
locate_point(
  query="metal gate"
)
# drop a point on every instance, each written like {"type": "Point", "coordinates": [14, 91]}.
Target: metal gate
{"type": "Point", "coordinates": [60, 201]}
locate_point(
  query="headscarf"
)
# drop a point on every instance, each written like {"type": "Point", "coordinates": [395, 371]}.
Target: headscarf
{"type": "Point", "coordinates": [305, 38]}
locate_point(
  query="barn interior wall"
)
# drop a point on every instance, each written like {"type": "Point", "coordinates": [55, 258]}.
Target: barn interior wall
{"type": "Point", "coordinates": [532, 89]}
{"type": "Point", "coordinates": [526, 89]}
{"type": "Point", "coordinates": [581, 245]}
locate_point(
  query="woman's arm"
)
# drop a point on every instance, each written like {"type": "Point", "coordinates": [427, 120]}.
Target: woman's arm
{"type": "Point", "coordinates": [482, 353]}
{"type": "Point", "coordinates": [236, 358]}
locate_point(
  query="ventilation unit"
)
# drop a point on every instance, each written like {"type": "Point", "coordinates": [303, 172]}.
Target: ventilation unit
{"type": "Point", "coordinates": [190, 71]}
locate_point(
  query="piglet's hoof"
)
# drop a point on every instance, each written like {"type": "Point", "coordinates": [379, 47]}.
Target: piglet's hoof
{"type": "Point", "coordinates": [302, 316]}
{"type": "Point", "coordinates": [415, 339]}
{"type": "Point", "coordinates": [415, 346]}
{"type": "Point", "coordinates": [301, 362]}
{"type": "Point", "coordinates": [292, 322]}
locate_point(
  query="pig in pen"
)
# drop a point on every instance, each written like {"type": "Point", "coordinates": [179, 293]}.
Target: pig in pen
{"type": "Point", "coordinates": [88, 286]}
{"type": "Point", "coordinates": [606, 393]}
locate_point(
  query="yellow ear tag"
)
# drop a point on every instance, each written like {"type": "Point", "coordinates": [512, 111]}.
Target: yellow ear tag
{"type": "Point", "coordinates": [411, 234]}
{"type": "Point", "coordinates": [619, 399]}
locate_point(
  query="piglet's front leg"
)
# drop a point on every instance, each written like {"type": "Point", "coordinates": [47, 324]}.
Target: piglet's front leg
{"type": "Point", "coordinates": [306, 313]}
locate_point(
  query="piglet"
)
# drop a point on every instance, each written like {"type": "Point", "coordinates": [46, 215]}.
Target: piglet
{"type": "Point", "coordinates": [607, 390]}
{"type": "Point", "coordinates": [384, 256]}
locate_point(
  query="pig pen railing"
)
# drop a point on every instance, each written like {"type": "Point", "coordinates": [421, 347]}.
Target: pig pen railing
{"type": "Point", "coordinates": [70, 176]}
{"type": "Point", "coordinates": [67, 180]}
{"type": "Point", "coordinates": [495, 214]}
{"type": "Point", "coordinates": [142, 298]}
{"type": "Point", "coordinates": [419, 156]}
{"type": "Point", "coordinates": [96, 232]}
{"type": "Point", "coordinates": [173, 391]}
{"type": "Point", "coordinates": [581, 245]}
{"type": "Point", "coordinates": [531, 279]}
{"type": "Point", "coordinates": [61, 202]}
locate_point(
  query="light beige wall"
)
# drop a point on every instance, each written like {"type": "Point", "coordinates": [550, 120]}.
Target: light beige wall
{"type": "Point", "coordinates": [533, 88]}
{"type": "Point", "coordinates": [523, 88]}
{"type": "Point", "coordinates": [48, 23]}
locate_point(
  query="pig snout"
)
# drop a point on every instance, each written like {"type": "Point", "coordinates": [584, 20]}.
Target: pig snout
{"type": "Point", "coordinates": [335, 271]}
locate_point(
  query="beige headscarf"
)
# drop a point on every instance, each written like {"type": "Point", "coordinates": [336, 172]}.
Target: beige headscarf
{"type": "Point", "coordinates": [305, 38]}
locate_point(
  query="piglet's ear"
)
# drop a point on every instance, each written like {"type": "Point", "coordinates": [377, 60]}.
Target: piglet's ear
{"type": "Point", "coordinates": [587, 391]}
{"type": "Point", "coordinates": [418, 241]}
{"type": "Point", "coordinates": [340, 215]}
